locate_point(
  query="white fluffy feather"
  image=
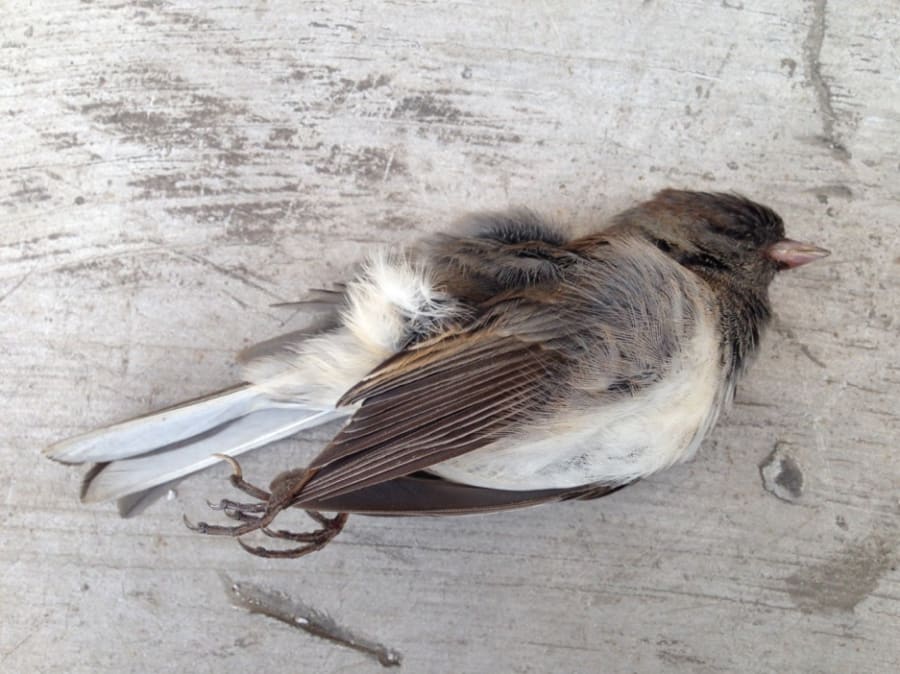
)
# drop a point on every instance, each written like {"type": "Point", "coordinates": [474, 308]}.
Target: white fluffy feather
{"type": "Point", "coordinates": [390, 298]}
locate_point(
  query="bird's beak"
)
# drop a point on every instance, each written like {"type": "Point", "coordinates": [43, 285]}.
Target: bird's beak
{"type": "Point", "coordinates": [789, 253]}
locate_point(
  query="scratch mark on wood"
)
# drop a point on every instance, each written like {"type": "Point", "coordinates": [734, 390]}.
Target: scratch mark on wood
{"type": "Point", "coordinates": [812, 50]}
{"type": "Point", "coordinates": [804, 349]}
{"type": "Point", "coordinates": [225, 271]}
{"type": "Point", "coordinates": [366, 164]}
{"type": "Point", "coordinates": [15, 287]}
{"type": "Point", "coordinates": [19, 645]}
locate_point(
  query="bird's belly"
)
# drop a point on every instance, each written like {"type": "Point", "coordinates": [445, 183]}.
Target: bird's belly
{"type": "Point", "coordinates": [614, 444]}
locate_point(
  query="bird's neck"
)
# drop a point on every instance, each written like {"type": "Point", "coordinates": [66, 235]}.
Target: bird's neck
{"type": "Point", "coordinates": [744, 314]}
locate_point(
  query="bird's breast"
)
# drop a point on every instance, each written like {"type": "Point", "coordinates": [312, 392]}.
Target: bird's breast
{"type": "Point", "coordinates": [615, 442]}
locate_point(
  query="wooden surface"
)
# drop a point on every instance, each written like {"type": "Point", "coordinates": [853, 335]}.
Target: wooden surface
{"type": "Point", "coordinates": [172, 169]}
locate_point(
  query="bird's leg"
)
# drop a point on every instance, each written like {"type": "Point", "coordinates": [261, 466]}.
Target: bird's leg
{"type": "Point", "coordinates": [237, 479]}
{"type": "Point", "coordinates": [313, 541]}
{"type": "Point", "coordinates": [258, 516]}
{"type": "Point", "coordinates": [243, 512]}
{"type": "Point", "coordinates": [239, 530]}
{"type": "Point", "coordinates": [331, 527]}
{"type": "Point", "coordinates": [228, 504]}
{"type": "Point", "coordinates": [238, 511]}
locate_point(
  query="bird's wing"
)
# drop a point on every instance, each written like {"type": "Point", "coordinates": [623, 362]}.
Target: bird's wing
{"type": "Point", "coordinates": [422, 494]}
{"type": "Point", "coordinates": [437, 401]}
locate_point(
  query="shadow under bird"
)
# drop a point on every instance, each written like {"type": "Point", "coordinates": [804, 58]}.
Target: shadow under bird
{"type": "Point", "coordinates": [505, 365]}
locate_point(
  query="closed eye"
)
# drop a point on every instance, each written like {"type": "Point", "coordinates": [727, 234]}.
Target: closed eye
{"type": "Point", "coordinates": [703, 260]}
{"type": "Point", "coordinates": [663, 245]}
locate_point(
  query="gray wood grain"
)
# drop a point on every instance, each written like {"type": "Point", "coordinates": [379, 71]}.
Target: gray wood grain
{"type": "Point", "coordinates": [172, 169]}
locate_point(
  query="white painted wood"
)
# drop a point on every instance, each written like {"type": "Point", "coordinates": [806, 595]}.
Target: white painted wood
{"type": "Point", "coordinates": [171, 169]}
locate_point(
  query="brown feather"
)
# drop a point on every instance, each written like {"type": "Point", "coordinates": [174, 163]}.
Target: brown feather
{"type": "Point", "coordinates": [424, 495]}
{"type": "Point", "coordinates": [433, 404]}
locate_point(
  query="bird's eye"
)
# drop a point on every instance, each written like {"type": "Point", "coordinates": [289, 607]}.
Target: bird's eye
{"type": "Point", "coordinates": [663, 245]}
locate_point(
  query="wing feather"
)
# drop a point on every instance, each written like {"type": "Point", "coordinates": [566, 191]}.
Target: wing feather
{"type": "Point", "coordinates": [433, 403]}
{"type": "Point", "coordinates": [425, 495]}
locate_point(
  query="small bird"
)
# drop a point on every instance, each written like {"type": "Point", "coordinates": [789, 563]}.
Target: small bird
{"type": "Point", "coordinates": [505, 365]}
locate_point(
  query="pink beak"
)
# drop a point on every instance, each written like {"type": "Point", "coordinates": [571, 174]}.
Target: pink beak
{"type": "Point", "coordinates": [789, 253]}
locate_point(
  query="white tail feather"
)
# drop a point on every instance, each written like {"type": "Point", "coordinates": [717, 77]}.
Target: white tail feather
{"type": "Point", "coordinates": [132, 475]}
{"type": "Point", "coordinates": [173, 424]}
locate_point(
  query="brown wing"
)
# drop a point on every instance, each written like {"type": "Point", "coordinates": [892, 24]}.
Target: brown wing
{"type": "Point", "coordinates": [427, 495]}
{"type": "Point", "coordinates": [433, 403]}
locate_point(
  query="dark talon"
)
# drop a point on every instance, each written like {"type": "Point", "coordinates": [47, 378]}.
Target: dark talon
{"type": "Point", "coordinates": [240, 516]}
{"type": "Point", "coordinates": [237, 479]}
{"type": "Point", "coordinates": [315, 540]}
{"type": "Point", "coordinates": [289, 553]}
{"type": "Point", "coordinates": [237, 511]}
{"type": "Point", "coordinates": [228, 504]}
{"type": "Point", "coordinates": [236, 471]}
{"type": "Point", "coordinates": [200, 527]}
{"type": "Point", "coordinates": [240, 530]}
{"type": "Point", "coordinates": [258, 516]}
{"type": "Point", "coordinates": [304, 537]}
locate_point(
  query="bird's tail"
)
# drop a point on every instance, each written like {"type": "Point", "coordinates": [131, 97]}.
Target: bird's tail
{"type": "Point", "coordinates": [138, 456]}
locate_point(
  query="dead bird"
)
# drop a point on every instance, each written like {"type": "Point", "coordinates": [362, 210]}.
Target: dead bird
{"type": "Point", "coordinates": [506, 365]}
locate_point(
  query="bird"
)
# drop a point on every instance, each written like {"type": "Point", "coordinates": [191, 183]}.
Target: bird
{"type": "Point", "coordinates": [506, 363]}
